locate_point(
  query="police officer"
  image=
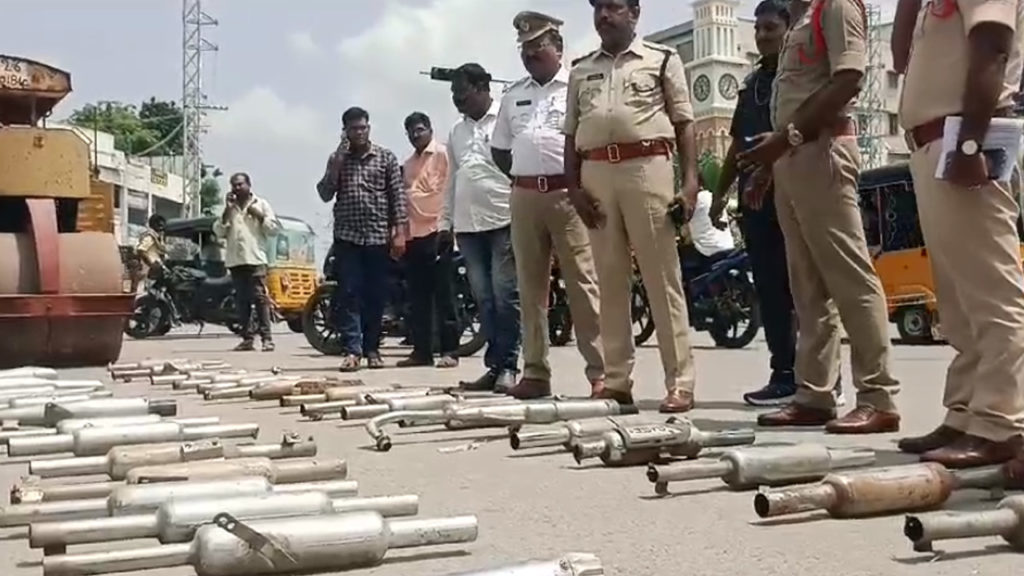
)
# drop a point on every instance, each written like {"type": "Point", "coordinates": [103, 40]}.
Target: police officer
{"type": "Point", "coordinates": [968, 217]}
{"type": "Point", "coordinates": [528, 146]}
{"type": "Point", "coordinates": [628, 109]}
{"type": "Point", "coordinates": [815, 163]}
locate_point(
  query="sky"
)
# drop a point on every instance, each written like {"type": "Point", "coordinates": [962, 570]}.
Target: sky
{"type": "Point", "coordinates": [287, 70]}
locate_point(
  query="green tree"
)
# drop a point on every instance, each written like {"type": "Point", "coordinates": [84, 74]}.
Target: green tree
{"type": "Point", "coordinates": [210, 196]}
{"type": "Point", "coordinates": [152, 129]}
{"type": "Point", "coordinates": [710, 169]}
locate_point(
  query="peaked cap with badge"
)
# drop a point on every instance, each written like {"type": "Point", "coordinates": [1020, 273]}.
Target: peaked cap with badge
{"type": "Point", "coordinates": [530, 25]}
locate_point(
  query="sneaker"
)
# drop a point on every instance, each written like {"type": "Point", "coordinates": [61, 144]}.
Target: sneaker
{"type": "Point", "coordinates": [245, 346]}
{"type": "Point", "coordinates": [776, 393]}
{"type": "Point", "coordinates": [268, 346]}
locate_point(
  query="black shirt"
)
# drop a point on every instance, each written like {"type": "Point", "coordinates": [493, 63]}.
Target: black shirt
{"type": "Point", "coordinates": [753, 110]}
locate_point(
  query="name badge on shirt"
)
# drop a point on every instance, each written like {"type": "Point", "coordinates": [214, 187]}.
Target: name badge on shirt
{"type": "Point", "coordinates": [596, 76]}
{"type": "Point", "coordinates": [524, 102]}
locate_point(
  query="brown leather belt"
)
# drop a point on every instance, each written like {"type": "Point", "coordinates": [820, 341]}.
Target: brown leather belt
{"type": "Point", "coordinates": [541, 183]}
{"type": "Point", "coordinates": [615, 153]}
{"type": "Point", "coordinates": [920, 136]}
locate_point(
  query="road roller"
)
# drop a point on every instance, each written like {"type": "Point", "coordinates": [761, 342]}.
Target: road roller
{"type": "Point", "coordinates": [60, 284]}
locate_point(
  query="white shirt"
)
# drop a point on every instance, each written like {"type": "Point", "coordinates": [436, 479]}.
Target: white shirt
{"type": "Point", "coordinates": [245, 236]}
{"type": "Point", "coordinates": [478, 192]}
{"type": "Point", "coordinates": [530, 125]}
{"type": "Point", "coordinates": [707, 239]}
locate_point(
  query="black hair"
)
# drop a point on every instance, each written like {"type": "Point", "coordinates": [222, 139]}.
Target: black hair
{"type": "Point", "coordinates": [243, 175]}
{"type": "Point", "coordinates": [156, 220]}
{"type": "Point", "coordinates": [417, 118]}
{"type": "Point", "coordinates": [556, 39]}
{"type": "Point", "coordinates": [629, 3]}
{"type": "Point", "coordinates": [475, 75]}
{"type": "Point", "coordinates": [354, 113]}
{"type": "Point", "coordinates": [778, 8]}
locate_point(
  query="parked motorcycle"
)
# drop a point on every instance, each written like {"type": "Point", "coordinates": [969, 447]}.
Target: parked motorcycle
{"type": "Point", "coordinates": [183, 295]}
{"type": "Point", "coordinates": [322, 336]}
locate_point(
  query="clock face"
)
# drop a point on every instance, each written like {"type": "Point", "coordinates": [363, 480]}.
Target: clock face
{"type": "Point", "coordinates": [728, 86]}
{"type": "Point", "coordinates": [702, 88]}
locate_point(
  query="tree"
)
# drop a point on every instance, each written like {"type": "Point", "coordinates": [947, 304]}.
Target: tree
{"type": "Point", "coordinates": [710, 169]}
{"type": "Point", "coordinates": [210, 196]}
{"type": "Point", "coordinates": [152, 129]}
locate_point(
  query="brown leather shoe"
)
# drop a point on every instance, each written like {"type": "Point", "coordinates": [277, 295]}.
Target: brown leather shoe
{"type": "Point", "coordinates": [617, 395]}
{"type": "Point", "coordinates": [865, 420]}
{"type": "Point", "coordinates": [971, 451]}
{"type": "Point", "coordinates": [530, 388]}
{"type": "Point", "coordinates": [794, 414]}
{"type": "Point", "coordinates": [941, 436]}
{"type": "Point", "coordinates": [676, 402]}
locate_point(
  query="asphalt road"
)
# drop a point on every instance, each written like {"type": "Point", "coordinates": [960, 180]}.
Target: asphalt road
{"type": "Point", "coordinates": [535, 506]}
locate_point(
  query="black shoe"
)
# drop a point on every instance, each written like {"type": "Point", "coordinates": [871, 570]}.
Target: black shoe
{"type": "Point", "coordinates": [780, 391]}
{"type": "Point", "coordinates": [505, 382]}
{"type": "Point", "coordinates": [482, 384]}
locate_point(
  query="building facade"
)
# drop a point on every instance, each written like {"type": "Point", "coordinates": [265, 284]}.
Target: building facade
{"type": "Point", "coordinates": [140, 190]}
{"type": "Point", "coordinates": [719, 51]}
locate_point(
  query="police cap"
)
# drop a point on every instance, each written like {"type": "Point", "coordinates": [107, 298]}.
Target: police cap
{"type": "Point", "coordinates": [530, 25]}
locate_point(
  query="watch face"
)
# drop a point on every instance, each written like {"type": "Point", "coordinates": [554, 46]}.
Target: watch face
{"type": "Point", "coordinates": [728, 86]}
{"type": "Point", "coordinates": [969, 147]}
{"type": "Point", "coordinates": [702, 88]}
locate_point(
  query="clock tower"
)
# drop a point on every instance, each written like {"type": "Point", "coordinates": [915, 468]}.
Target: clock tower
{"type": "Point", "coordinates": [715, 73]}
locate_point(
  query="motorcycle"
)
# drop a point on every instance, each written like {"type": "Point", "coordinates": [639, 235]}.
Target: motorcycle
{"type": "Point", "coordinates": [720, 300]}
{"type": "Point", "coordinates": [183, 295]}
{"type": "Point", "coordinates": [323, 337]}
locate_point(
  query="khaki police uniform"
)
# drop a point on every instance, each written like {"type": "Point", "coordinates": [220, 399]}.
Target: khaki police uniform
{"type": "Point", "coordinates": [530, 125]}
{"type": "Point", "coordinates": [621, 111]}
{"type": "Point", "coordinates": [971, 234]}
{"type": "Point", "coordinates": [831, 274]}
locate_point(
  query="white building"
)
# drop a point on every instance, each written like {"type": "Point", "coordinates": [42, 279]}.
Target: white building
{"type": "Point", "coordinates": [718, 49]}
{"type": "Point", "coordinates": [140, 190]}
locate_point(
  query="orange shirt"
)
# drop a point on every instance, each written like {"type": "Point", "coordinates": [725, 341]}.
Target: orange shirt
{"type": "Point", "coordinates": [426, 179]}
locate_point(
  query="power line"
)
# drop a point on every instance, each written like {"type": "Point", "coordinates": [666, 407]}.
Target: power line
{"type": "Point", "coordinates": [193, 100]}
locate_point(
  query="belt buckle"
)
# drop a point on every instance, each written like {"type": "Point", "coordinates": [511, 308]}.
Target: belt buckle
{"type": "Point", "coordinates": [613, 153]}
{"type": "Point", "coordinates": [542, 183]}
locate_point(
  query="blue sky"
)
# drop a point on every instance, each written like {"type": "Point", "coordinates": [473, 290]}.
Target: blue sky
{"type": "Point", "coordinates": [287, 70]}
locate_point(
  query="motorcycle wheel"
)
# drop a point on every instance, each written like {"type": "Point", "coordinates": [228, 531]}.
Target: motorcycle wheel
{"type": "Point", "coordinates": [640, 311]}
{"type": "Point", "coordinates": [148, 317]}
{"type": "Point", "coordinates": [736, 303]}
{"type": "Point", "coordinates": [316, 322]}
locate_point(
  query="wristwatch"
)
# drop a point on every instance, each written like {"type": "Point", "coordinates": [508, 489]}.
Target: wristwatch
{"type": "Point", "coordinates": [794, 136]}
{"type": "Point", "coordinates": [969, 147]}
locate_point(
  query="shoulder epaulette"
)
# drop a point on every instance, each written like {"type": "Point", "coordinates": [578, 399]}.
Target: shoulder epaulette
{"type": "Point", "coordinates": [582, 58]}
{"type": "Point", "coordinates": [659, 47]}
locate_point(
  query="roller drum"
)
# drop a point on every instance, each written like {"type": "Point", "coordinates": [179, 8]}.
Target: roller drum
{"type": "Point", "coordinates": [90, 263]}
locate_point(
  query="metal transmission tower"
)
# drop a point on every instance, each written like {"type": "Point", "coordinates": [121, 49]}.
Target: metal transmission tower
{"type": "Point", "coordinates": [193, 99]}
{"type": "Point", "coordinates": [871, 107]}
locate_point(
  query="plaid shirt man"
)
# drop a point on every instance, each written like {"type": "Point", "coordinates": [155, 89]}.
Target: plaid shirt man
{"type": "Point", "coordinates": [369, 202]}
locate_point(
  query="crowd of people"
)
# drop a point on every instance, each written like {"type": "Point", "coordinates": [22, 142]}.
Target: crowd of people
{"type": "Point", "coordinates": [576, 163]}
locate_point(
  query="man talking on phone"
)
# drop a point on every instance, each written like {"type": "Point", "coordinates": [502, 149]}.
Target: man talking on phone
{"type": "Point", "coordinates": [246, 224]}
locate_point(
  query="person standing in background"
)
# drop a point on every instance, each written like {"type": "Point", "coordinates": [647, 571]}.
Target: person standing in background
{"type": "Point", "coordinates": [528, 147]}
{"type": "Point", "coordinates": [370, 226]}
{"type": "Point", "coordinates": [477, 210]}
{"type": "Point", "coordinates": [246, 224]}
{"type": "Point", "coordinates": [428, 263]}
{"type": "Point", "coordinates": [150, 250]}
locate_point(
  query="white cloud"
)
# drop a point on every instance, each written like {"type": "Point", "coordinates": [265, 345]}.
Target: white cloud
{"type": "Point", "coordinates": [263, 115]}
{"type": "Point", "coordinates": [303, 44]}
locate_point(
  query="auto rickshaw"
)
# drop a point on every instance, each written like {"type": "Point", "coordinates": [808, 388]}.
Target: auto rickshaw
{"type": "Point", "coordinates": [894, 238]}
{"type": "Point", "coordinates": [291, 270]}
{"type": "Point", "coordinates": [292, 274]}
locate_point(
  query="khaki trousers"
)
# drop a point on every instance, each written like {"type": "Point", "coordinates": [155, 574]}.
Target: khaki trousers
{"type": "Point", "coordinates": [542, 221]}
{"type": "Point", "coordinates": [635, 196]}
{"type": "Point", "coordinates": [975, 257]}
{"type": "Point", "coordinates": [831, 275]}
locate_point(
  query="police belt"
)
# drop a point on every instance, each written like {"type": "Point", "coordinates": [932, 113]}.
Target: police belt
{"type": "Point", "coordinates": [615, 153]}
{"type": "Point", "coordinates": [920, 136]}
{"type": "Point", "coordinates": [541, 183]}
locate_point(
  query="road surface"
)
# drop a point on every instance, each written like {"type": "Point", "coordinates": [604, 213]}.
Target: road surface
{"type": "Point", "coordinates": [534, 506]}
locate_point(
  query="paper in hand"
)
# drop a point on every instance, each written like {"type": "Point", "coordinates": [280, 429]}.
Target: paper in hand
{"type": "Point", "coordinates": [1001, 147]}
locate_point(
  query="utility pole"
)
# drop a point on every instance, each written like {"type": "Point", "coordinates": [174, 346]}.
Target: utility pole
{"type": "Point", "coordinates": [872, 125]}
{"type": "Point", "coordinates": [193, 100]}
